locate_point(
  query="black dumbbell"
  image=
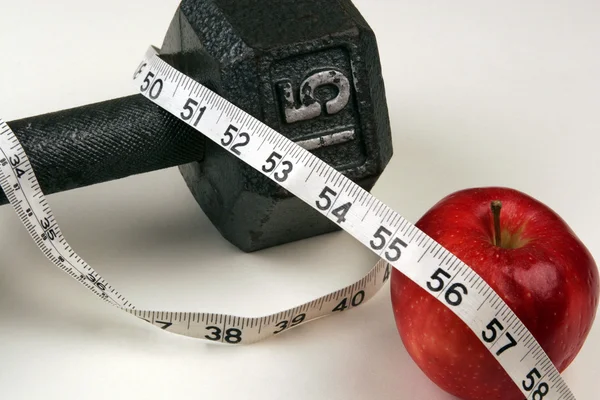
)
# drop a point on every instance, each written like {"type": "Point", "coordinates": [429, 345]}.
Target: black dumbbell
{"type": "Point", "coordinates": [307, 68]}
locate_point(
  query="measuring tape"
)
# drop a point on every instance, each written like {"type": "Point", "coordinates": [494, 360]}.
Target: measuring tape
{"type": "Point", "coordinates": [398, 243]}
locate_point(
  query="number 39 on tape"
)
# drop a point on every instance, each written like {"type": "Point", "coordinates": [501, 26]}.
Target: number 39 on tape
{"type": "Point", "coordinates": [398, 243]}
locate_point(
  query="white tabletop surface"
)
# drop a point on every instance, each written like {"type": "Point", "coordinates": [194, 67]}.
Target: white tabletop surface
{"type": "Point", "coordinates": [479, 93]}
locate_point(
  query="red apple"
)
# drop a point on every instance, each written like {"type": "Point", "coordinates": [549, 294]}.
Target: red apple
{"type": "Point", "coordinates": [540, 269]}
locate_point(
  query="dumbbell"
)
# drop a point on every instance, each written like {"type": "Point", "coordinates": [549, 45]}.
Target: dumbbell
{"type": "Point", "coordinates": [309, 69]}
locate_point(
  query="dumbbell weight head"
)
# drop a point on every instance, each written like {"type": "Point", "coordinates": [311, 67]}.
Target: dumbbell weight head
{"type": "Point", "coordinates": [307, 68]}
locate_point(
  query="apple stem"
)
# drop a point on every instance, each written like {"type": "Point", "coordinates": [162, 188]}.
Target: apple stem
{"type": "Point", "coordinates": [496, 206]}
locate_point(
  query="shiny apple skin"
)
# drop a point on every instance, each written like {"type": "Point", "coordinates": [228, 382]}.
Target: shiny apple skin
{"type": "Point", "coordinates": [551, 283]}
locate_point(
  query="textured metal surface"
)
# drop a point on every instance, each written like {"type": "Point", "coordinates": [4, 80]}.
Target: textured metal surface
{"type": "Point", "coordinates": [104, 141]}
{"type": "Point", "coordinates": [265, 49]}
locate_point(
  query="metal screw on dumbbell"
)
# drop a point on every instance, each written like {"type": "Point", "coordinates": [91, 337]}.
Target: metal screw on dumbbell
{"type": "Point", "coordinates": [307, 68]}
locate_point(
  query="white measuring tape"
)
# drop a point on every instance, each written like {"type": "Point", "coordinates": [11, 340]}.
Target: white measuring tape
{"type": "Point", "coordinates": [398, 242]}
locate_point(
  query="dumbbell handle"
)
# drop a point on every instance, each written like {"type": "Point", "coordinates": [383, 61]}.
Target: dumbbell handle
{"type": "Point", "coordinates": [104, 141]}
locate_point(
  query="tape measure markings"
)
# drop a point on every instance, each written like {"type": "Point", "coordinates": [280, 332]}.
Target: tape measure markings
{"type": "Point", "coordinates": [190, 324]}
{"type": "Point", "coordinates": [378, 227]}
{"type": "Point", "coordinates": [16, 193]}
{"type": "Point", "coordinates": [281, 321]}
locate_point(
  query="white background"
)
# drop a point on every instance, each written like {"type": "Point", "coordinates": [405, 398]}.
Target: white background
{"type": "Point", "coordinates": [479, 93]}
